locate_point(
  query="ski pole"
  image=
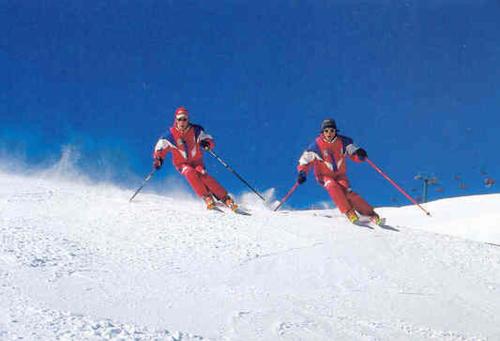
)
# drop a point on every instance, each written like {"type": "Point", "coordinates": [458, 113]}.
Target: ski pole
{"type": "Point", "coordinates": [285, 198]}
{"type": "Point", "coordinates": [150, 175]}
{"type": "Point", "coordinates": [397, 187]}
{"type": "Point", "coordinates": [234, 172]}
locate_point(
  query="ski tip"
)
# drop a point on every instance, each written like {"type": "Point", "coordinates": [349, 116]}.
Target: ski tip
{"type": "Point", "coordinates": [362, 224]}
{"type": "Point", "coordinates": [242, 212]}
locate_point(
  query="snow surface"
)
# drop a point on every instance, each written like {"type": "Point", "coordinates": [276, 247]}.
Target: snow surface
{"type": "Point", "coordinates": [78, 261]}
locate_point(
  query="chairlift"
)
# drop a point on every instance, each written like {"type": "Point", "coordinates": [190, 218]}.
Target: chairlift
{"type": "Point", "coordinates": [489, 182]}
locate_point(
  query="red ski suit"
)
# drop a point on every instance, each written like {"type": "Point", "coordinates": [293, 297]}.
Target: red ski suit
{"type": "Point", "coordinates": [187, 158]}
{"type": "Point", "coordinates": [329, 160]}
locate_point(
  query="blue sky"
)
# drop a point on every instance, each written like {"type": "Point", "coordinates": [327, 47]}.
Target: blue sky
{"type": "Point", "coordinates": [416, 83]}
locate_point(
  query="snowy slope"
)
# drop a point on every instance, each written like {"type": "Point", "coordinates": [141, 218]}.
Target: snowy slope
{"type": "Point", "coordinates": [78, 261]}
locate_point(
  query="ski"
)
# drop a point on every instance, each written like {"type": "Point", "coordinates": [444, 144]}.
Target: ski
{"type": "Point", "coordinates": [242, 212]}
{"type": "Point", "coordinates": [371, 225]}
{"type": "Point", "coordinates": [221, 208]}
{"type": "Point", "coordinates": [363, 224]}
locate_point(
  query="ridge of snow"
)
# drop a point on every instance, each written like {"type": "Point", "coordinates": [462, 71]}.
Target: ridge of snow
{"type": "Point", "coordinates": [78, 261]}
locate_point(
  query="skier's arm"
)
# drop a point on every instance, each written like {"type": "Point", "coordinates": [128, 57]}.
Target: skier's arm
{"type": "Point", "coordinates": [358, 155]}
{"type": "Point", "coordinates": [306, 161]}
{"type": "Point", "coordinates": [162, 147]}
{"type": "Point", "coordinates": [304, 168]}
{"type": "Point", "coordinates": [354, 152]}
{"type": "Point", "coordinates": [205, 140]}
{"type": "Point", "coordinates": [308, 157]}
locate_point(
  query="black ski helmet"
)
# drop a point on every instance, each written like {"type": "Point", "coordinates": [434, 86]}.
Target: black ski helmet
{"type": "Point", "coordinates": [328, 123]}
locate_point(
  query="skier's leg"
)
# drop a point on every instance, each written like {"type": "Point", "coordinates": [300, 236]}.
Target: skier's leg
{"type": "Point", "coordinates": [360, 204]}
{"type": "Point", "coordinates": [364, 208]}
{"type": "Point", "coordinates": [337, 193]}
{"type": "Point", "coordinates": [194, 179]}
{"type": "Point", "coordinates": [214, 187]}
{"type": "Point", "coordinates": [356, 201]}
{"type": "Point", "coordinates": [219, 191]}
{"type": "Point", "coordinates": [210, 183]}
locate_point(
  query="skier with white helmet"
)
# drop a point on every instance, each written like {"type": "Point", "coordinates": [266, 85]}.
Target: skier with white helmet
{"type": "Point", "coordinates": [186, 141]}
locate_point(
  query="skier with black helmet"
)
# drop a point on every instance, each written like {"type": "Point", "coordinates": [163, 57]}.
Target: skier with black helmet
{"type": "Point", "coordinates": [327, 155]}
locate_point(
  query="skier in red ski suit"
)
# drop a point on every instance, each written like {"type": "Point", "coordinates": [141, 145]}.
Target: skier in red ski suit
{"type": "Point", "coordinates": [186, 141]}
{"type": "Point", "coordinates": [327, 155]}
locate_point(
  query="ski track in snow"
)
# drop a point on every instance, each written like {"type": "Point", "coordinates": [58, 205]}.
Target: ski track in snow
{"type": "Point", "coordinates": [78, 261]}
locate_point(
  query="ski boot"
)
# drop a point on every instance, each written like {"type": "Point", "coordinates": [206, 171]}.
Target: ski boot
{"type": "Point", "coordinates": [375, 218]}
{"type": "Point", "coordinates": [209, 201]}
{"type": "Point", "coordinates": [229, 202]}
{"type": "Point", "coordinates": [352, 216]}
